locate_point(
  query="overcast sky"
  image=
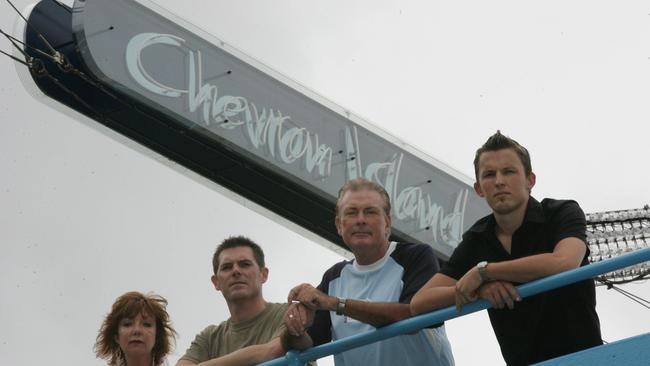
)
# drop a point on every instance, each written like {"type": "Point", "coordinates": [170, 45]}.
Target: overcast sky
{"type": "Point", "coordinates": [86, 215]}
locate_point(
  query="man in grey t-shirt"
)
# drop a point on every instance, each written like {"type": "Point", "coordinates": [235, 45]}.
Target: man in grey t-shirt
{"type": "Point", "coordinates": [252, 333]}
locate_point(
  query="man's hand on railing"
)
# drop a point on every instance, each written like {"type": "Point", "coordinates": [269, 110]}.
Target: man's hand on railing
{"type": "Point", "coordinates": [377, 314]}
{"type": "Point", "coordinates": [298, 318]}
{"type": "Point", "coordinates": [312, 298]}
{"type": "Point", "coordinates": [499, 294]}
{"type": "Point", "coordinates": [466, 288]}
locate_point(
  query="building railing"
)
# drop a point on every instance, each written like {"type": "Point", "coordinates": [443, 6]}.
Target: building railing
{"type": "Point", "coordinates": [293, 358]}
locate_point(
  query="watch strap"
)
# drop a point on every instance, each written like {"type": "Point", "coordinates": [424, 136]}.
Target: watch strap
{"type": "Point", "coordinates": [482, 271]}
{"type": "Point", "coordinates": [340, 306]}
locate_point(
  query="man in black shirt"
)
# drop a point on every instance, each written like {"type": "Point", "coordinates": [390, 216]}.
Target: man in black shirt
{"type": "Point", "coordinates": [522, 240]}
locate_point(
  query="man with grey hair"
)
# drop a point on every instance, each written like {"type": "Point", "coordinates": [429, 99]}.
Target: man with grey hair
{"type": "Point", "coordinates": [370, 291]}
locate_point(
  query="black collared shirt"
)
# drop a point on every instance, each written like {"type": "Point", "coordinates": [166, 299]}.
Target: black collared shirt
{"type": "Point", "coordinates": [546, 325]}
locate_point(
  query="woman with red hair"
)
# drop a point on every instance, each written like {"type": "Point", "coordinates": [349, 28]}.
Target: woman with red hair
{"type": "Point", "coordinates": [137, 331]}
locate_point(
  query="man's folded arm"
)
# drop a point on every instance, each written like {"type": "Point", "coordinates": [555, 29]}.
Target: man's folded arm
{"type": "Point", "coordinates": [376, 314]}
{"type": "Point", "coordinates": [250, 355]}
{"type": "Point", "coordinates": [299, 343]}
{"type": "Point", "coordinates": [567, 254]}
{"type": "Point", "coordinates": [437, 293]}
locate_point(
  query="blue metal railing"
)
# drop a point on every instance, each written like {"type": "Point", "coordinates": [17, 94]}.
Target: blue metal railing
{"type": "Point", "coordinates": [411, 325]}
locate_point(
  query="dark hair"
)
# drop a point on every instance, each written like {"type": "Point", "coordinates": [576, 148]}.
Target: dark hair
{"type": "Point", "coordinates": [359, 184]}
{"type": "Point", "coordinates": [234, 242]}
{"type": "Point", "coordinates": [499, 142]}
{"type": "Point", "coordinates": [130, 305]}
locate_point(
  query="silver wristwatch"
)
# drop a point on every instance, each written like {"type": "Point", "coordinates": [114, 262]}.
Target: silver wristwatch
{"type": "Point", "coordinates": [482, 271]}
{"type": "Point", "coordinates": [340, 306]}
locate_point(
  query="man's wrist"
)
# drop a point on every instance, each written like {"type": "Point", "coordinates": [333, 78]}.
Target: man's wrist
{"type": "Point", "coordinates": [285, 340]}
{"type": "Point", "coordinates": [482, 271]}
{"type": "Point", "coordinates": [340, 306]}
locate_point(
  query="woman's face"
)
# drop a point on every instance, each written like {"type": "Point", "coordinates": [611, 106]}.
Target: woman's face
{"type": "Point", "coordinates": [137, 336]}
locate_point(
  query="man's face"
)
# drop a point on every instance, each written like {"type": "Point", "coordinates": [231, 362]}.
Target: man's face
{"type": "Point", "coordinates": [362, 222]}
{"type": "Point", "coordinates": [502, 181]}
{"type": "Point", "coordinates": [239, 277]}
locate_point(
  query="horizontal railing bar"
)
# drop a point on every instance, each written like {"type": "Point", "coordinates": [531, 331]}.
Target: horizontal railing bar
{"type": "Point", "coordinates": [438, 316]}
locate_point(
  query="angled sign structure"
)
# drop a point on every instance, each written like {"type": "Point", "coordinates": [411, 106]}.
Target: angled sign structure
{"type": "Point", "coordinates": [202, 103]}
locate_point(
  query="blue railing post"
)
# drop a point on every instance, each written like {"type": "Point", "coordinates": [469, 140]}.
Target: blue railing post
{"type": "Point", "coordinates": [416, 323]}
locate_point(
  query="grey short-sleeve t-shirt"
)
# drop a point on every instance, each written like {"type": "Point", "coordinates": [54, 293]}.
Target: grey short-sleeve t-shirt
{"type": "Point", "coordinates": [219, 340]}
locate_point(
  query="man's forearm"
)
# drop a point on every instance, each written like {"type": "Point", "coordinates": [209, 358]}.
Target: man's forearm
{"type": "Point", "coordinates": [250, 355]}
{"type": "Point", "coordinates": [376, 314]}
{"type": "Point", "coordinates": [437, 293]}
{"type": "Point", "coordinates": [299, 343]}
{"type": "Point", "coordinates": [528, 268]}
{"type": "Point", "coordinates": [432, 298]}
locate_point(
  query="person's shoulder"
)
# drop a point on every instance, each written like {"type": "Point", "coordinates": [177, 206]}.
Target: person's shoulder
{"type": "Point", "coordinates": [552, 203]}
{"type": "Point", "coordinates": [411, 253]}
{"type": "Point", "coordinates": [332, 274]}
{"type": "Point", "coordinates": [552, 206]}
{"type": "Point", "coordinates": [278, 307]}
{"type": "Point", "coordinates": [213, 328]}
{"type": "Point", "coordinates": [477, 231]}
{"type": "Point", "coordinates": [273, 315]}
{"type": "Point", "coordinates": [481, 224]}
{"type": "Point", "coordinates": [411, 249]}
{"type": "Point", "coordinates": [335, 270]}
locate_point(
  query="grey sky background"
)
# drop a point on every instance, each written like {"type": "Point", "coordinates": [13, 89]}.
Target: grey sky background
{"type": "Point", "coordinates": [86, 215]}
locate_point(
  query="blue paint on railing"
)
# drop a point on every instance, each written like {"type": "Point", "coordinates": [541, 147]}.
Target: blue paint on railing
{"type": "Point", "coordinates": [421, 321]}
{"type": "Point", "coordinates": [633, 351]}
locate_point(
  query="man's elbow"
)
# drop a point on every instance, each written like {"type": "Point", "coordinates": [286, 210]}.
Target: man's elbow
{"type": "Point", "coordinates": [298, 343]}
{"type": "Point", "coordinates": [431, 299]}
{"type": "Point", "coordinates": [185, 363]}
{"type": "Point", "coordinates": [569, 254]}
{"type": "Point", "coordinates": [417, 306]}
{"type": "Point", "coordinates": [394, 317]}
{"type": "Point", "coordinates": [566, 263]}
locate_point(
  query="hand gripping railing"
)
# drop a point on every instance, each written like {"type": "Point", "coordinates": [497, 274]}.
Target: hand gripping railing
{"type": "Point", "coordinates": [411, 325]}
